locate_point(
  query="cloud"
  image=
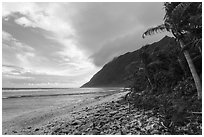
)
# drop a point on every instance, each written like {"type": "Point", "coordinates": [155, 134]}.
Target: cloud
{"type": "Point", "coordinates": [25, 22]}
{"type": "Point", "coordinates": [90, 26]}
{"type": "Point", "coordinates": [102, 27]}
{"type": "Point", "coordinates": [45, 56]}
{"type": "Point", "coordinates": [19, 77]}
{"type": "Point", "coordinates": [12, 47]}
{"type": "Point", "coordinates": [12, 70]}
{"type": "Point", "coordinates": [123, 44]}
{"type": "Point", "coordinates": [8, 40]}
{"type": "Point", "coordinates": [41, 15]}
{"type": "Point", "coordinates": [71, 41]}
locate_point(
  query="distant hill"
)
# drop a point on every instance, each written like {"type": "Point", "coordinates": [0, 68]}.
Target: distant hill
{"type": "Point", "coordinates": [113, 74]}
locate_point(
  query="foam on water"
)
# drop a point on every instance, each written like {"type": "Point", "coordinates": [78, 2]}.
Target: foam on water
{"type": "Point", "coordinates": [19, 93]}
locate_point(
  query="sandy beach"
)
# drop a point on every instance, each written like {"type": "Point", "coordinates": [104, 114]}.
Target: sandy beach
{"type": "Point", "coordinates": [31, 118]}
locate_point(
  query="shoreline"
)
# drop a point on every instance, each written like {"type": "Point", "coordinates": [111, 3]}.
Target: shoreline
{"type": "Point", "coordinates": [105, 114]}
{"type": "Point", "coordinates": [45, 95]}
{"type": "Point", "coordinates": [30, 122]}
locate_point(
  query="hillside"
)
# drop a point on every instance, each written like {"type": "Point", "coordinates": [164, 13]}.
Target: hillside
{"type": "Point", "coordinates": [114, 74]}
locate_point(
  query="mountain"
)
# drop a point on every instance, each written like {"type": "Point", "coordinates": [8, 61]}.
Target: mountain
{"type": "Point", "coordinates": [113, 74]}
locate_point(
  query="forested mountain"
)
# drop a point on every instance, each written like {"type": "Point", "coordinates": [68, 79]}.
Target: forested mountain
{"type": "Point", "coordinates": [115, 73]}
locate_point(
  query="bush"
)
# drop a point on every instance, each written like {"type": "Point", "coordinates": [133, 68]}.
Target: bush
{"type": "Point", "coordinates": [177, 107]}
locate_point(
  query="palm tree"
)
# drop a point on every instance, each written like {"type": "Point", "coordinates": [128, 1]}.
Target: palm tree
{"type": "Point", "coordinates": [183, 20]}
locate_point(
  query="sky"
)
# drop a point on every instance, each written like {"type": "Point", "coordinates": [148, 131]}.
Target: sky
{"type": "Point", "coordinates": [65, 44]}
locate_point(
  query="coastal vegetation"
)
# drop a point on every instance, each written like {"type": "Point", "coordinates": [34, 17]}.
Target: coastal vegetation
{"type": "Point", "coordinates": [173, 77]}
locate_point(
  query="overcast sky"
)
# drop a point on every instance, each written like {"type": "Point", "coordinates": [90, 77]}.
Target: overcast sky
{"type": "Point", "coordinates": [65, 44]}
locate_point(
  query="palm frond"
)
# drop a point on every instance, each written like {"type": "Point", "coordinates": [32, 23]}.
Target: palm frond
{"type": "Point", "coordinates": [197, 58]}
{"type": "Point", "coordinates": [154, 30]}
{"type": "Point", "coordinates": [197, 42]}
{"type": "Point", "coordinates": [187, 46]}
{"type": "Point", "coordinates": [169, 7]}
{"type": "Point", "coordinates": [180, 9]}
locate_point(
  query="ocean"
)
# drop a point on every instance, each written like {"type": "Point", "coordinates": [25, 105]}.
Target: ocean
{"type": "Point", "coordinates": [19, 102]}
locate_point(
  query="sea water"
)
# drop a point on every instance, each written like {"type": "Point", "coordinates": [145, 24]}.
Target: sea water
{"type": "Point", "coordinates": [16, 102]}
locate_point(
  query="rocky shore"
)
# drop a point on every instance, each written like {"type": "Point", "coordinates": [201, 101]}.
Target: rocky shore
{"type": "Point", "coordinates": [108, 116]}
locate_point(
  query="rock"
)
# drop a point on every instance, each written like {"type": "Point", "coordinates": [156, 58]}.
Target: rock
{"type": "Point", "coordinates": [118, 133]}
{"type": "Point", "coordinates": [97, 114]}
{"type": "Point", "coordinates": [113, 113]}
{"type": "Point", "coordinates": [137, 128]}
{"type": "Point", "coordinates": [117, 117]}
{"type": "Point", "coordinates": [76, 122]}
{"type": "Point", "coordinates": [84, 127]}
{"type": "Point", "coordinates": [127, 126]}
{"type": "Point", "coordinates": [121, 119]}
{"type": "Point", "coordinates": [120, 109]}
{"type": "Point", "coordinates": [123, 131]}
{"type": "Point", "coordinates": [15, 131]}
{"type": "Point", "coordinates": [117, 105]}
{"type": "Point", "coordinates": [106, 127]}
{"type": "Point", "coordinates": [137, 116]}
{"type": "Point", "coordinates": [37, 129]}
{"type": "Point", "coordinates": [76, 132]}
{"type": "Point", "coordinates": [151, 119]}
{"type": "Point", "coordinates": [66, 131]}
{"type": "Point", "coordinates": [148, 127]}
{"type": "Point", "coordinates": [154, 132]}
{"type": "Point", "coordinates": [102, 123]}
{"type": "Point", "coordinates": [29, 127]}
{"type": "Point", "coordinates": [88, 129]}
{"type": "Point", "coordinates": [126, 107]}
{"type": "Point", "coordinates": [95, 132]}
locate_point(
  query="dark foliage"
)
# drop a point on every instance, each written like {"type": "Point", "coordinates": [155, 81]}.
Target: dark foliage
{"type": "Point", "coordinates": [178, 106]}
{"type": "Point", "coordinates": [174, 93]}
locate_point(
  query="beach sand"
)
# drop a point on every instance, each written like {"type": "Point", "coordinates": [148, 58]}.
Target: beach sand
{"type": "Point", "coordinates": [106, 113]}
{"type": "Point", "coordinates": [38, 112]}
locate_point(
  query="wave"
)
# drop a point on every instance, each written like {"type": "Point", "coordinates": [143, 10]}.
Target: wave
{"type": "Point", "coordinates": [31, 88]}
{"type": "Point", "coordinates": [44, 95]}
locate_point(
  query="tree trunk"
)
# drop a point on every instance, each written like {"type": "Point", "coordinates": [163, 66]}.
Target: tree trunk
{"type": "Point", "coordinates": [193, 71]}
